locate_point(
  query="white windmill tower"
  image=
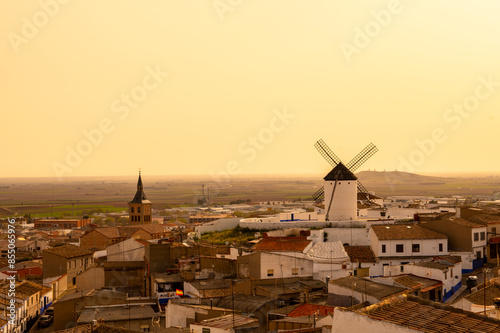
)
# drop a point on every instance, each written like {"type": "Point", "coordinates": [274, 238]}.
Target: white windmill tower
{"type": "Point", "coordinates": [342, 190]}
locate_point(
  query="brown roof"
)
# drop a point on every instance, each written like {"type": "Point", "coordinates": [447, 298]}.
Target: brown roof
{"type": "Point", "coordinates": [128, 231]}
{"type": "Point", "coordinates": [407, 281]}
{"type": "Point", "coordinates": [100, 328]}
{"type": "Point", "coordinates": [69, 251]}
{"type": "Point", "coordinates": [152, 228]}
{"type": "Point", "coordinates": [478, 297]}
{"type": "Point", "coordinates": [25, 289]}
{"type": "Point", "coordinates": [465, 223]}
{"type": "Point", "coordinates": [310, 309]}
{"type": "Point", "coordinates": [413, 282]}
{"type": "Point", "coordinates": [110, 232]}
{"type": "Point", "coordinates": [288, 244]}
{"type": "Point", "coordinates": [227, 322]}
{"type": "Point", "coordinates": [398, 231]}
{"type": "Point", "coordinates": [426, 316]}
{"type": "Point", "coordinates": [378, 290]}
{"type": "Point", "coordinates": [360, 254]}
{"type": "Point", "coordinates": [450, 259]}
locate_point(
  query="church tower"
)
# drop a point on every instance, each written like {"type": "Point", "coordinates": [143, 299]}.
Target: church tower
{"type": "Point", "coordinates": [140, 207]}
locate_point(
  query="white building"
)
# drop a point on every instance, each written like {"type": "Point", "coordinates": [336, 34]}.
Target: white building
{"type": "Point", "coordinates": [447, 269]}
{"type": "Point", "coordinates": [398, 244]}
{"type": "Point", "coordinates": [329, 259]}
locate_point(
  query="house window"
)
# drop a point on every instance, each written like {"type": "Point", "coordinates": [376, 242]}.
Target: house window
{"type": "Point", "coordinates": [446, 274]}
{"type": "Point", "coordinates": [132, 210]}
{"type": "Point", "coordinates": [144, 328]}
{"type": "Point", "coordinates": [483, 235]}
{"type": "Point", "coordinates": [478, 255]}
{"type": "Point", "coordinates": [415, 248]}
{"type": "Point", "coordinates": [399, 248]}
{"type": "Point", "coordinates": [270, 272]}
{"type": "Point", "coordinates": [295, 271]}
{"type": "Point", "coordinates": [69, 264]}
{"type": "Point", "coordinates": [138, 210]}
{"type": "Point", "coordinates": [81, 262]}
{"type": "Point", "coordinates": [494, 231]}
{"type": "Point", "coordinates": [440, 247]}
{"type": "Point", "coordinates": [74, 263]}
{"type": "Point", "coordinates": [383, 248]}
{"type": "Point", "coordinates": [205, 330]}
{"type": "Point", "coordinates": [476, 236]}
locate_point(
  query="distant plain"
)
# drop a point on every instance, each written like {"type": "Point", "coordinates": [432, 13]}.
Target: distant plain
{"type": "Point", "coordinates": [41, 196]}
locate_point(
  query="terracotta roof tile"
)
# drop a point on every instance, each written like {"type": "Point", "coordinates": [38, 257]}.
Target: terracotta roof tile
{"type": "Point", "coordinates": [288, 244]}
{"type": "Point", "coordinates": [426, 316]}
{"type": "Point", "coordinates": [398, 231]}
{"type": "Point", "coordinates": [310, 309]}
{"type": "Point", "coordinates": [478, 297]}
{"type": "Point", "coordinates": [69, 251]}
{"type": "Point", "coordinates": [360, 254]}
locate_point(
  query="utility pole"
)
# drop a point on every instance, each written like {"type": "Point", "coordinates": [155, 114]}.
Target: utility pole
{"type": "Point", "coordinates": [232, 300]}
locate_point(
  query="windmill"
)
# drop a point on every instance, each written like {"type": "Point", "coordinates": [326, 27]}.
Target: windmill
{"type": "Point", "coordinates": [342, 171]}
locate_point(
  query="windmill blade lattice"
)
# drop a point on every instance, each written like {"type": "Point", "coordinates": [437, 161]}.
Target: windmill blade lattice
{"type": "Point", "coordinates": [327, 153]}
{"type": "Point", "coordinates": [362, 157]}
{"type": "Point", "coordinates": [319, 195]}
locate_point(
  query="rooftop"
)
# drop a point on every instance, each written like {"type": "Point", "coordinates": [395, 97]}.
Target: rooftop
{"type": "Point", "coordinates": [226, 322]}
{"type": "Point", "coordinates": [433, 264]}
{"type": "Point", "coordinates": [101, 328]}
{"type": "Point", "coordinates": [378, 290]}
{"type": "Point", "coordinates": [288, 244]}
{"type": "Point", "coordinates": [340, 172]}
{"type": "Point", "coordinates": [465, 223]}
{"type": "Point", "coordinates": [481, 298]}
{"type": "Point", "coordinates": [244, 303]}
{"type": "Point", "coordinates": [310, 309]}
{"type": "Point", "coordinates": [69, 251]}
{"type": "Point", "coordinates": [362, 254]}
{"type": "Point", "coordinates": [333, 251]}
{"type": "Point", "coordinates": [398, 231]}
{"type": "Point", "coordinates": [120, 312]}
{"type": "Point", "coordinates": [427, 316]}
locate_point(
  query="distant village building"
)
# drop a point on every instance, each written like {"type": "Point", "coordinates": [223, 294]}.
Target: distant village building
{"type": "Point", "coordinates": [200, 218]}
{"type": "Point", "coordinates": [68, 259]}
{"type": "Point", "coordinates": [61, 223]}
{"type": "Point", "coordinates": [140, 206]}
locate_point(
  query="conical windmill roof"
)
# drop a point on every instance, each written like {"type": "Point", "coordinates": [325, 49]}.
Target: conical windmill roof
{"type": "Point", "coordinates": [340, 172]}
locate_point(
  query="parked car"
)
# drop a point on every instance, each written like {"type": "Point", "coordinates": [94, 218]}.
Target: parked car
{"type": "Point", "coordinates": [49, 311]}
{"type": "Point", "coordinates": [45, 321]}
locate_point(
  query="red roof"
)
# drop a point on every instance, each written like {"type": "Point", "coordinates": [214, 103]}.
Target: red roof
{"type": "Point", "coordinates": [289, 244]}
{"type": "Point", "coordinates": [360, 253]}
{"type": "Point", "coordinates": [310, 309]}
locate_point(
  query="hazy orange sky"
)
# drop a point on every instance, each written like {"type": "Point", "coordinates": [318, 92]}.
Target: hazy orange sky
{"type": "Point", "coordinates": [246, 87]}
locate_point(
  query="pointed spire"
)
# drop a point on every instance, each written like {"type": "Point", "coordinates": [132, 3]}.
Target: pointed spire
{"type": "Point", "coordinates": [139, 195]}
{"type": "Point", "coordinates": [139, 182]}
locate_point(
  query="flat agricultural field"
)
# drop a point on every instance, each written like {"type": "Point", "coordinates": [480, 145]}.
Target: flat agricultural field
{"type": "Point", "coordinates": [43, 197]}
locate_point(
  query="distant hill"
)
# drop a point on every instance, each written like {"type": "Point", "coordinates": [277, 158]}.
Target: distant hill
{"type": "Point", "coordinates": [399, 178]}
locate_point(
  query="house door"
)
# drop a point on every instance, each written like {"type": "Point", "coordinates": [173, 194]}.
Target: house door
{"type": "Point", "coordinates": [432, 295]}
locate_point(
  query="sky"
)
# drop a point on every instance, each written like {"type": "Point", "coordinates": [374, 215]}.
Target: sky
{"type": "Point", "coordinates": [228, 87]}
